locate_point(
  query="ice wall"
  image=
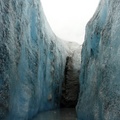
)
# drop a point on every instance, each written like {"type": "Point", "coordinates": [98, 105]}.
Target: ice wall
{"type": "Point", "coordinates": [32, 61]}
{"type": "Point", "coordinates": [99, 97]}
{"type": "Point", "coordinates": [70, 86]}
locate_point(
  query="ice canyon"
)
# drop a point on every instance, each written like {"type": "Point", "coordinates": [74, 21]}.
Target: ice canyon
{"type": "Point", "coordinates": [39, 71]}
{"type": "Point", "coordinates": [32, 61]}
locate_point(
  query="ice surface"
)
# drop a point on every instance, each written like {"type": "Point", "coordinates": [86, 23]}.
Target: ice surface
{"type": "Point", "coordinates": [58, 114]}
{"type": "Point", "coordinates": [99, 97]}
{"type": "Point", "coordinates": [70, 86]}
{"type": "Point", "coordinates": [32, 61]}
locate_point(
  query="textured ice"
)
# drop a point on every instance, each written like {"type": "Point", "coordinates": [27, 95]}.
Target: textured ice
{"type": "Point", "coordinates": [99, 97]}
{"type": "Point", "coordinates": [32, 61]}
{"type": "Point", "coordinates": [70, 86]}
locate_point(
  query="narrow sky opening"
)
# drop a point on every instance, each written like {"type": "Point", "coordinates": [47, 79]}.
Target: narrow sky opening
{"type": "Point", "coordinates": [68, 18]}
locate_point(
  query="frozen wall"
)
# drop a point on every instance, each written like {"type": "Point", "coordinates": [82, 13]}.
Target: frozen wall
{"type": "Point", "coordinates": [32, 61]}
{"type": "Point", "coordinates": [70, 86]}
{"type": "Point", "coordinates": [99, 97]}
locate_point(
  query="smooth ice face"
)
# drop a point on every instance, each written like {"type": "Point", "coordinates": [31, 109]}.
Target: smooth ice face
{"type": "Point", "coordinates": [99, 97]}
{"type": "Point", "coordinates": [32, 61]}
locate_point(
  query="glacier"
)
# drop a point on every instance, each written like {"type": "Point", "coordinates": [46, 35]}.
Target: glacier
{"type": "Point", "coordinates": [32, 61]}
{"type": "Point", "coordinates": [99, 97]}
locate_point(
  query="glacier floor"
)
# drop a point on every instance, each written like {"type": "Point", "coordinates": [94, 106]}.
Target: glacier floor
{"type": "Point", "coordinates": [60, 114]}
